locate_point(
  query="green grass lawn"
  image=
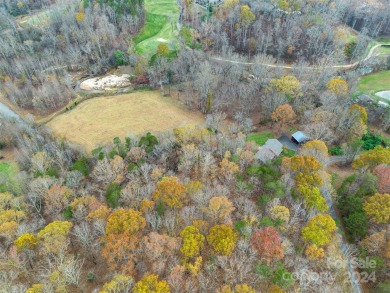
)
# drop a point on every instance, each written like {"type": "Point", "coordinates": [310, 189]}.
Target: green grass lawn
{"type": "Point", "coordinates": [160, 26]}
{"type": "Point", "coordinates": [384, 50]}
{"type": "Point", "coordinates": [372, 83]}
{"type": "Point", "coordinates": [6, 170]}
{"type": "Point", "coordinates": [153, 25]}
{"type": "Point", "coordinates": [260, 138]}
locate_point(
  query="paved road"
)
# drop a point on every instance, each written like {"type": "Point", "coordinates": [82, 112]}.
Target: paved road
{"type": "Point", "coordinates": [314, 67]}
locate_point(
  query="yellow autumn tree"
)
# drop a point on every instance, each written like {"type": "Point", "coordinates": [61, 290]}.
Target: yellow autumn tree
{"type": "Point", "coordinates": [313, 198]}
{"type": "Point", "coordinates": [372, 158]}
{"type": "Point", "coordinates": [240, 288]}
{"type": "Point", "coordinates": [301, 164]}
{"type": "Point", "coordinates": [275, 289]}
{"type": "Point", "coordinates": [193, 242]}
{"type": "Point", "coordinates": [246, 15]}
{"type": "Point", "coordinates": [313, 252]}
{"type": "Point", "coordinates": [288, 85]}
{"type": "Point", "coordinates": [338, 86]}
{"type": "Point", "coordinates": [125, 221]}
{"type": "Point", "coordinates": [80, 16]}
{"type": "Point", "coordinates": [316, 149]}
{"type": "Point", "coordinates": [222, 239]}
{"type": "Point", "coordinates": [228, 169]}
{"type": "Point", "coordinates": [26, 241]}
{"type": "Point", "coordinates": [151, 284]}
{"type": "Point", "coordinates": [319, 230]}
{"type": "Point", "coordinates": [163, 50]}
{"type": "Point", "coordinates": [54, 237]}
{"type": "Point", "coordinates": [118, 284]}
{"type": "Point", "coordinates": [362, 112]}
{"type": "Point", "coordinates": [281, 213]}
{"type": "Point", "coordinates": [377, 208]}
{"type": "Point", "coordinates": [170, 191]}
{"type": "Point", "coordinates": [36, 288]}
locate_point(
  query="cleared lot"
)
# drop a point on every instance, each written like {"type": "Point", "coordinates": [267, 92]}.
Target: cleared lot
{"type": "Point", "coordinates": [97, 121]}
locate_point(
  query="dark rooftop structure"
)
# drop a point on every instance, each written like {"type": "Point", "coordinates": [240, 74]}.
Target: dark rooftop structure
{"type": "Point", "coordinates": [299, 137]}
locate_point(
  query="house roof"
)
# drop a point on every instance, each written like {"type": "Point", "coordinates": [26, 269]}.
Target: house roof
{"type": "Point", "coordinates": [300, 136]}
{"type": "Point", "coordinates": [270, 150]}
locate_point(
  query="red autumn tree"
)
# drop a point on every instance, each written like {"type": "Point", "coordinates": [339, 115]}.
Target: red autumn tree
{"type": "Point", "coordinates": [383, 174]}
{"type": "Point", "coordinates": [267, 243]}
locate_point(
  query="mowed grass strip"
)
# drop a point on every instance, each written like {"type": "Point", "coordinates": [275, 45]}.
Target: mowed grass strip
{"type": "Point", "coordinates": [160, 24]}
{"type": "Point", "coordinates": [153, 25]}
{"type": "Point", "coordinates": [260, 137]}
{"type": "Point", "coordinates": [375, 82]}
{"type": "Point", "coordinates": [97, 121]}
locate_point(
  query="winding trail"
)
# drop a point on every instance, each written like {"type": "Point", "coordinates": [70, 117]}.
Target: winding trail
{"type": "Point", "coordinates": [345, 67]}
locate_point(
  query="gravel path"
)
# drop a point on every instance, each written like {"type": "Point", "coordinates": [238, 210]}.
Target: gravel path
{"type": "Point", "coordinates": [346, 66]}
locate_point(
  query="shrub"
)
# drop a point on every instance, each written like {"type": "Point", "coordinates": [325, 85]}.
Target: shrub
{"type": "Point", "coordinates": [52, 172]}
{"type": "Point", "coordinates": [113, 194]}
{"type": "Point", "coordinates": [370, 141]}
{"type": "Point", "coordinates": [81, 165]}
{"type": "Point", "coordinates": [282, 278]}
{"type": "Point", "coordinates": [91, 277]}
{"type": "Point", "coordinates": [120, 58]}
{"type": "Point", "coordinates": [349, 49]}
{"type": "Point", "coordinates": [263, 270]}
{"type": "Point", "coordinates": [335, 151]}
{"type": "Point", "coordinates": [68, 213]}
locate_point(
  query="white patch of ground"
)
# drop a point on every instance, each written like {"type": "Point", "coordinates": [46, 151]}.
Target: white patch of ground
{"type": "Point", "coordinates": [162, 40]}
{"type": "Point", "coordinates": [106, 83]}
{"type": "Point", "coordinates": [384, 95]}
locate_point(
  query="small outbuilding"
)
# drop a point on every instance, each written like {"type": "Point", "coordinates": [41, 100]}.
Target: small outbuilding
{"type": "Point", "coordinates": [299, 137]}
{"type": "Point", "coordinates": [269, 151]}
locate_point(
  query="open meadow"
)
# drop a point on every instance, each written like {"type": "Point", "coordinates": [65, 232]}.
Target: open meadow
{"type": "Point", "coordinates": [97, 121]}
{"type": "Point", "coordinates": [372, 83]}
{"type": "Point", "coordinates": [160, 26]}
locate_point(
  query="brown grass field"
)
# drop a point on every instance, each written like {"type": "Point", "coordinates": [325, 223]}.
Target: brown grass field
{"type": "Point", "coordinates": [97, 121]}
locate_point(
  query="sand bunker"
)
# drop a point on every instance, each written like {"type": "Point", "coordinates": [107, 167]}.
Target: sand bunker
{"type": "Point", "coordinates": [162, 40]}
{"type": "Point", "coordinates": [106, 83]}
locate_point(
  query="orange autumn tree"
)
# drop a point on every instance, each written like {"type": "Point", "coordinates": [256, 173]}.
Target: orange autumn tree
{"type": "Point", "coordinates": [383, 174]}
{"type": "Point", "coordinates": [283, 114]}
{"type": "Point", "coordinates": [219, 208]}
{"type": "Point", "coordinates": [121, 240]}
{"type": "Point", "coordinates": [118, 251]}
{"type": "Point", "coordinates": [267, 243]}
{"type": "Point", "coordinates": [171, 192]}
